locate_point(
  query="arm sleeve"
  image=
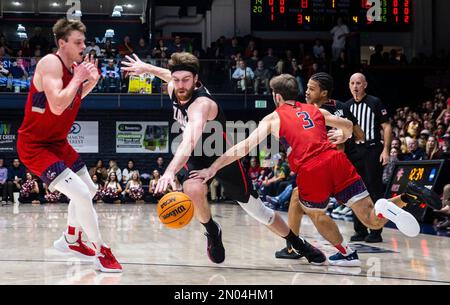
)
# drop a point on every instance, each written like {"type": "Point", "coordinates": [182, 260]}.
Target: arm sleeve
{"type": "Point", "coordinates": [381, 111]}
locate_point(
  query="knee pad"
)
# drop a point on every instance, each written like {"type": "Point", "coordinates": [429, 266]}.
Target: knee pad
{"type": "Point", "coordinates": [256, 208]}
{"type": "Point", "coordinates": [84, 175]}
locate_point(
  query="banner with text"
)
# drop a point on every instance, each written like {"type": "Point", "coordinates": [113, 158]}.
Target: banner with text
{"type": "Point", "coordinates": [8, 136]}
{"type": "Point", "coordinates": [84, 137]}
{"type": "Point", "coordinates": [142, 137]}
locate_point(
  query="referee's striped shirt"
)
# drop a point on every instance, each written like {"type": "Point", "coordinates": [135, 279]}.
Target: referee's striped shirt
{"type": "Point", "coordinates": [370, 113]}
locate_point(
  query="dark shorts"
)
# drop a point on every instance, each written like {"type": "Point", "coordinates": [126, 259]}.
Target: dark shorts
{"type": "Point", "coordinates": [235, 181]}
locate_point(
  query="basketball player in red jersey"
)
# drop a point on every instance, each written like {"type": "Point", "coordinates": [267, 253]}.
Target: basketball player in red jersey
{"type": "Point", "coordinates": [60, 82]}
{"type": "Point", "coordinates": [322, 170]}
{"type": "Point", "coordinates": [194, 108]}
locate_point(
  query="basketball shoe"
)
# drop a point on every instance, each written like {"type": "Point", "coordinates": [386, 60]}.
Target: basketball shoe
{"type": "Point", "coordinates": [106, 262]}
{"type": "Point", "coordinates": [311, 253]}
{"type": "Point", "coordinates": [417, 194]}
{"type": "Point", "coordinates": [287, 252]}
{"type": "Point", "coordinates": [215, 249]}
{"type": "Point", "coordinates": [351, 260]}
{"type": "Point", "coordinates": [78, 248]}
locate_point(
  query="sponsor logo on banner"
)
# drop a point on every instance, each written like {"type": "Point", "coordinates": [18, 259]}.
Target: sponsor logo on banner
{"type": "Point", "coordinates": [83, 137]}
{"type": "Point", "coordinates": [142, 137]}
{"type": "Point", "coordinates": [8, 136]}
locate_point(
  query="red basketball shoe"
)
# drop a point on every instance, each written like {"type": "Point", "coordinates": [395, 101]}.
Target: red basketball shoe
{"type": "Point", "coordinates": [78, 248]}
{"type": "Point", "coordinates": [106, 262]}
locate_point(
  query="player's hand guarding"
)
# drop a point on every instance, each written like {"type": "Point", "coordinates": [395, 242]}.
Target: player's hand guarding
{"type": "Point", "coordinates": [164, 181]}
{"type": "Point", "coordinates": [134, 66]}
{"type": "Point", "coordinates": [336, 136]}
{"type": "Point", "coordinates": [92, 64]}
{"type": "Point", "coordinates": [205, 174]}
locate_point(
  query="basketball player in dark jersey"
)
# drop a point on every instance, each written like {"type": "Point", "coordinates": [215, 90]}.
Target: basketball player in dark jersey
{"type": "Point", "coordinates": [194, 109]}
{"type": "Point", "coordinates": [322, 170]}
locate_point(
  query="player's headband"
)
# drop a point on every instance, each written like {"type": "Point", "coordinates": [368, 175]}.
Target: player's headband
{"type": "Point", "coordinates": [184, 67]}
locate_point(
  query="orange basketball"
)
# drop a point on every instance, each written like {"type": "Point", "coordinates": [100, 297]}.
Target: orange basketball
{"type": "Point", "coordinates": [175, 210]}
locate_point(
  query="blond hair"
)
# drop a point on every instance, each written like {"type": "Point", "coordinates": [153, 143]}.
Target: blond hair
{"type": "Point", "coordinates": [63, 28]}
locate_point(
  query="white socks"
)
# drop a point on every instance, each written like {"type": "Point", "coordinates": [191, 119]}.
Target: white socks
{"type": "Point", "coordinates": [71, 185]}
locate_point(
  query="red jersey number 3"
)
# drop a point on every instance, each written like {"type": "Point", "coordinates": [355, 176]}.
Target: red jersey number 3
{"type": "Point", "coordinates": [306, 119]}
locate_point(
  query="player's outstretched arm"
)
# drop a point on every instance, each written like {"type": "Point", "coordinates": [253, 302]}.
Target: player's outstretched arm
{"type": "Point", "coordinates": [240, 150]}
{"type": "Point", "coordinates": [49, 71]}
{"type": "Point", "coordinates": [137, 67]}
{"type": "Point", "coordinates": [198, 114]}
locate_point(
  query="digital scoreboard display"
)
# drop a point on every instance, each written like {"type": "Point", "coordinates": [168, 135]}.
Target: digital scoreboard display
{"type": "Point", "coordinates": [424, 173]}
{"type": "Point", "coordinates": [321, 15]}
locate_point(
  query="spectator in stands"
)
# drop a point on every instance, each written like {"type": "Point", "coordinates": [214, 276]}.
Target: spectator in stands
{"type": "Point", "coordinates": [125, 48]}
{"type": "Point", "coordinates": [127, 171]}
{"type": "Point", "coordinates": [95, 47]}
{"type": "Point", "coordinates": [98, 195]}
{"type": "Point", "coordinates": [262, 77]}
{"type": "Point", "coordinates": [319, 51]}
{"type": "Point", "coordinates": [6, 46]}
{"type": "Point", "coordinates": [252, 62]}
{"type": "Point", "coordinates": [114, 168]}
{"type": "Point", "coordinates": [389, 168]}
{"type": "Point", "coordinates": [108, 50]}
{"type": "Point", "coordinates": [38, 41]}
{"type": "Point", "coordinates": [143, 51]}
{"type": "Point", "coordinates": [414, 152]}
{"type": "Point", "coordinates": [51, 197]}
{"type": "Point", "coordinates": [243, 76]}
{"type": "Point", "coordinates": [248, 52]}
{"type": "Point", "coordinates": [133, 190]}
{"type": "Point", "coordinates": [339, 33]}
{"type": "Point", "coordinates": [160, 166]}
{"type": "Point", "coordinates": [254, 171]}
{"type": "Point", "coordinates": [295, 69]}
{"type": "Point", "coordinates": [112, 189]}
{"type": "Point", "coordinates": [177, 45]}
{"type": "Point", "coordinates": [270, 61]}
{"type": "Point", "coordinates": [376, 59]}
{"type": "Point", "coordinates": [3, 72]}
{"type": "Point", "coordinates": [216, 190]}
{"type": "Point", "coordinates": [3, 179]}
{"type": "Point", "coordinates": [25, 48]}
{"type": "Point", "coordinates": [235, 48]}
{"type": "Point", "coordinates": [36, 58]}
{"type": "Point", "coordinates": [445, 209]}
{"type": "Point", "coordinates": [444, 116]}
{"type": "Point", "coordinates": [160, 50]}
{"type": "Point", "coordinates": [281, 172]}
{"type": "Point", "coordinates": [29, 190]}
{"type": "Point", "coordinates": [111, 77]}
{"type": "Point", "coordinates": [432, 149]}
{"type": "Point", "coordinates": [100, 171]}
{"type": "Point", "coordinates": [18, 69]}
{"type": "Point", "coordinates": [16, 176]}
{"type": "Point", "coordinates": [151, 188]}
{"type": "Point", "coordinates": [396, 144]}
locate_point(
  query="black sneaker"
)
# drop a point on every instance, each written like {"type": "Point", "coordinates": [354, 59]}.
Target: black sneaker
{"type": "Point", "coordinates": [215, 249]}
{"type": "Point", "coordinates": [359, 237]}
{"type": "Point", "coordinates": [419, 194]}
{"type": "Point", "coordinates": [311, 253]}
{"type": "Point", "coordinates": [287, 253]}
{"type": "Point", "coordinates": [373, 238]}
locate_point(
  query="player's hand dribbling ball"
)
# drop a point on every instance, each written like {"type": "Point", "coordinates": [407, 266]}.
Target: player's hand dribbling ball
{"type": "Point", "coordinates": [175, 210]}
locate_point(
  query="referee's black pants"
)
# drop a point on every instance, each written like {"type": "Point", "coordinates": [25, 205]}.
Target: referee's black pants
{"type": "Point", "coordinates": [371, 171]}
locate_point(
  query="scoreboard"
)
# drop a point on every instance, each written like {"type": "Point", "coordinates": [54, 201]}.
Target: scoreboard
{"type": "Point", "coordinates": [321, 15]}
{"type": "Point", "coordinates": [432, 174]}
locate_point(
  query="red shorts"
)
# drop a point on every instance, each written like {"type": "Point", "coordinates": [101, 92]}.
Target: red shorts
{"type": "Point", "coordinates": [48, 160]}
{"type": "Point", "coordinates": [329, 174]}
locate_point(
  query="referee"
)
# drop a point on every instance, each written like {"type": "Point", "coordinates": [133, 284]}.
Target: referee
{"type": "Point", "coordinates": [372, 116]}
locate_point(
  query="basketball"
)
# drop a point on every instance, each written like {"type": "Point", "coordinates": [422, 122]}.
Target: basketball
{"type": "Point", "coordinates": [175, 210]}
